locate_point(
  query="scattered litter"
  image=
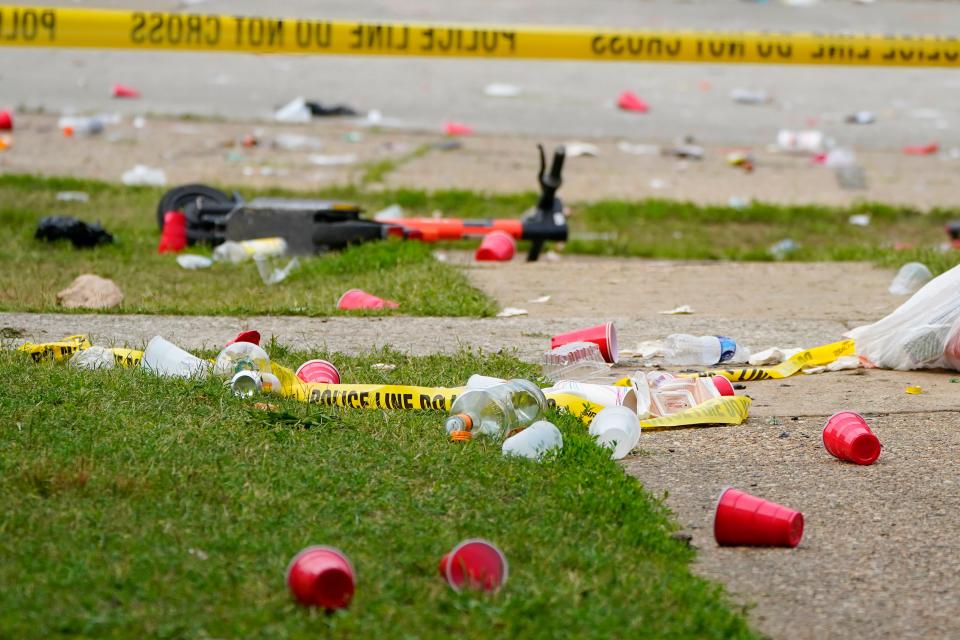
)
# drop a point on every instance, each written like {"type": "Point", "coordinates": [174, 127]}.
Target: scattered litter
{"type": "Point", "coordinates": [318, 110]}
{"type": "Point", "coordinates": [540, 300]}
{"type": "Point", "coordinates": [296, 142]}
{"type": "Point", "coordinates": [81, 234]}
{"type": "Point", "coordinates": [804, 141]}
{"type": "Point", "coordinates": [199, 554]}
{"type": "Point", "coordinates": [457, 129]}
{"type": "Point", "coordinates": [657, 184]}
{"type": "Point", "coordinates": [332, 161]}
{"type": "Point", "coordinates": [639, 149]}
{"type": "Point", "coordinates": [440, 256]}
{"type": "Point", "coordinates": [75, 126]}
{"type": "Point", "coordinates": [573, 361]}
{"type": "Point", "coordinates": [859, 219]}
{"type": "Point", "coordinates": [922, 150]}
{"type": "Point", "coordinates": [577, 149]}
{"type": "Point", "coordinates": [139, 122]}
{"type": "Point", "coordinates": [685, 349]}
{"type": "Point", "coordinates": [742, 160]}
{"type": "Point", "coordinates": [142, 175]}
{"type": "Point", "coordinates": [89, 291]}
{"type": "Point", "coordinates": [735, 522]}
{"type": "Point", "coordinates": [685, 149]}
{"type": "Point", "coordinates": [837, 157]}
{"type": "Point", "coordinates": [295, 111]}
{"type": "Point", "coordinates": [534, 441]}
{"type": "Point", "coordinates": [73, 196]}
{"type": "Point", "coordinates": [93, 358]}
{"type": "Point", "coordinates": [843, 363]}
{"type": "Point", "coordinates": [6, 120]}
{"type": "Point", "coordinates": [846, 436]}
{"type": "Point", "coordinates": [738, 202]}
{"type": "Point", "coordinates": [910, 278]}
{"type": "Point", "coordinates": [678, 311]}
{"type": "Point", "coordinates": [358, 299]}
{"type": "Point", "coordinates": [317, 370]}
{"type": "Point", "coordinates": [750, 96]}
{"type": "Point", "coordinates": [629, 101]}
{"type": "Point", "coordinates": [124, 91]}
{"type": "Point", "coordinates": [321, 576]}
{"type": "Point", "coordinates": [773, 355]}
{"type": "Point", "coordinates": [236, 252]}
{"type": "Point", "coordinates": [393, 212]}
{"type": "Point", "coordinates": [496, 246]}
{"type": "Point", "coordinates": [274, 275]}
{"type": "Point", "coordinates": [783, 248]}
{"type": "Point", "coordinates": [861, 117]}
{"type": "Point", "coordinates": [474, 564]}
{"type": "Point", "coordinates": [922, 333]}
{"type": "Point", "coordinates": [501, 90]}
{"type": "Point", "coordinates": [383, 366]}
{"type": "Point", "coordinates": [646, 350]}
{"type": "Point", "coordinates": [914, 390]}
{"type": "Point", "coordinates": [173, 238]}
{"type": "Point", "coordinates": [603, 335]}
{"type": "Point", "coordinates": [510, 312]}
{"type": "Point", "coordinates": [616, 428]}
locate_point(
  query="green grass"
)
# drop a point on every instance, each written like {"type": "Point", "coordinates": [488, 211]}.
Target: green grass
{"type": "Point", "coordinates": [141, 507]}
{"type": "Point", "coordinates": [32, 271]}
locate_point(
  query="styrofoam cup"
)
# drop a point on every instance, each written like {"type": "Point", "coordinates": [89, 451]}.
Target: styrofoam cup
{"type": "Point", "coordinates": [164, 358]}
{"type": "Point", "coordinates": [617, 428]}
{"type": "Point", "coordinates": [534, 441]}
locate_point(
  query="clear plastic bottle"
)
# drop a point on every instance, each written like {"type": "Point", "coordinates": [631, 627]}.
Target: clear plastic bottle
{"type": "Point", "coordinates": [495, 411]}
{"type": "Point", "coordinates": [683, 349]}
{"type": "Point", "coordinates": [79, 126]}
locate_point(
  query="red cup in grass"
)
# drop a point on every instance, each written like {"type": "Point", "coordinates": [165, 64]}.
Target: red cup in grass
{"type": "Point", "coordinates": [497, 246]}
{"type": "Point", "coordinates": [474, 564]}
{"type": "Point", "coordinates": [359, 299]}
{"type": "Point", "coordinates": [321, 576]}
{"type": "Point", "coordinates": [318, 371]}
{"type": "Point", "coordinates": [602, 335]}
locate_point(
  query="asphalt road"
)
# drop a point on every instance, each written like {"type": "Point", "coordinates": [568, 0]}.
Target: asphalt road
{"type": "Point", "coordinates": [559, 98]}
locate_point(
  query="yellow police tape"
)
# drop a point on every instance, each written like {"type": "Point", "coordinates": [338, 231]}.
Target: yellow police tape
{"type": "Point", "coordinates": [727, 410]}
{"type": "Point", "coordinates": [151, 30]}
{"type": "Point", "coordinates": [65, 349]}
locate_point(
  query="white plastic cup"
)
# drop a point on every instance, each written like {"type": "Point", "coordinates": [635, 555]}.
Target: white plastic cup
{"type": "Point", "coordinates": [617, 428]}
{"type": "Point", "coordinates": [164, 358]}
{"type": "Point", "coordinates": [605, 395]}
{"type": "Point", "coordinates": [534, 441]}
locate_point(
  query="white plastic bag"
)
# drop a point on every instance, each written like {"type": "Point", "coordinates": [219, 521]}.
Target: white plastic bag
{"type": "Point", "coordinates": [922, 333]}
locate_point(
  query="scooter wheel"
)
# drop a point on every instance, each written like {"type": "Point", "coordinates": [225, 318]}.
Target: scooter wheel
{"type": "Point", "coordinates": [177, 198]}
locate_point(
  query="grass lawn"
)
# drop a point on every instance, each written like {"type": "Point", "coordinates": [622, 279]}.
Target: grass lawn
{"type": "Point", "coordinates": [32, 271]}
{"type": "Point", "coordinates": [142, 507]}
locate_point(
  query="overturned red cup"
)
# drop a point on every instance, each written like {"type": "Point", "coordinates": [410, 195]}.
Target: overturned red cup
{"type": "Point", "coordinates": [474, 564]}
{"type": "Point", "coordinates": [745, 520]}
{"type": "Point", "coordinates": [253, 337]}
{"type": "Point", "coordinates": [629, 101]}
{"type": "Point", "coordinates": [123, 91]}
{"type": "Point", "coordinates": [602, 335]}
{"type": "Point", "coordinates": [321, 577]}
{"type": "Point", "coordinates": [6, 120]}
{"type": "Point", "coordinates": [724, 386]}
{"type": "Point", "coordinates": [847, 436]}
{"type": "Point", "coordinates": [359, 299]}
{"type": "Point", "coordinates": [173, 238]}
{"type": "Point", "coordinates": [497, 246]}
{"type": "Point", "coordinates": [318, 371]}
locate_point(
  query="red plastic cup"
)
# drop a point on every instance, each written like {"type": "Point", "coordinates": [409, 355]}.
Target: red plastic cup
{"type": "Point", "coordinates": [321, 577]}
{"type": "Point", "coordinates": [497, 246]}
{"type": "Point", "coordinates": [6, 120]}
{"type": "Point", "coordinates": [474, 564]}
{"type": "Point", "coordinates": [123, 91]}
{"type": "Point", "coordinates": [318, 371]}
{"type": "Point", "coordinates": [359, 299]}
{"type": "Point", "coordinates": [253, 337]}
{"type": "Point", "coordinates": [723, 385]}
{"type": "Point", "coordinates": [743, 519]}
{"type": "Point", "coordinates": [629, 101]}
{"type": "Point", "coordinates": [602, 335]}
{"type": "Point", "coordinates": [921, 149]}
{"type": "Point", "coordinates": [847, 436]}
{"type": "Point", "coordinates": [173, 238]}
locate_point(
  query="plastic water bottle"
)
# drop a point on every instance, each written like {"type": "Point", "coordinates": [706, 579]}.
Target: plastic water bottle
{"type": "Point", "coordinates": [703, 350]}
{"type": "Point", "coordinates": [495, 411]}
{"type": "Point", "coordinates": [79, 126]}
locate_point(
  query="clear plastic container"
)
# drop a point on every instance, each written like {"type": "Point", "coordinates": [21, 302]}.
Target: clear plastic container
{"type": "Point", "coordinates": [496, 410]}
{"type": "Point", "coordinates": [534, 441]}
{"type": "Point", "coordinates": [574, 361]}
{"type": "Point", "coordinates": [669, 394]}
